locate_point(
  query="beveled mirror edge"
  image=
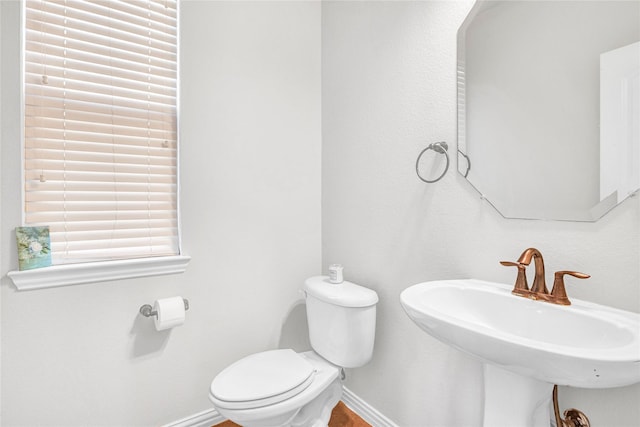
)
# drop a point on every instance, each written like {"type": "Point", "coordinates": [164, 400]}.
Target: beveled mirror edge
{"type": "Point", "coordinates": [460, 89]}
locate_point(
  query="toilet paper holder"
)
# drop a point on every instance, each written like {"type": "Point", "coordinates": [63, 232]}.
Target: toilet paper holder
{"type": "Point", "coordinates": [147, 310]}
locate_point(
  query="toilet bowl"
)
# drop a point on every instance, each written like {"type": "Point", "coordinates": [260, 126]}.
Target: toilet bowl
{"type": "Point", "coordinates": [282, 388]}
{"type": "Point", "coordinates": [271, 396]}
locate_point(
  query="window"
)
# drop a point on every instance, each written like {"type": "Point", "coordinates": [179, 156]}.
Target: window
{"type": "Point", "coordinates": [100, 126]}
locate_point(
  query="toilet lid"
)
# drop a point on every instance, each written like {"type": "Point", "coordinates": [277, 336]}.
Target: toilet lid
{"type": "Point", "coordinates": [262, 379]}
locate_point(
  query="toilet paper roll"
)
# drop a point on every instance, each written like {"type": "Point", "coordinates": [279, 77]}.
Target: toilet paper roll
{"type": "Point", "coordinates": [170, 313]}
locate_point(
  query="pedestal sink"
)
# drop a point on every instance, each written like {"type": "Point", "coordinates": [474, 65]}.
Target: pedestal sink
{"type": "Point", "coordinates": [527, 346]}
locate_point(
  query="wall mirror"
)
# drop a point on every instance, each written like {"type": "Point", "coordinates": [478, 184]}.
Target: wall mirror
{"type": "Point", "coordinates": [549, 106]}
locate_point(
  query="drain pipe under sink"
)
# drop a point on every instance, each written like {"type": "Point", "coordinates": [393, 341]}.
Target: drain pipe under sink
{"type": "Point", "coordinates": [572, 417]}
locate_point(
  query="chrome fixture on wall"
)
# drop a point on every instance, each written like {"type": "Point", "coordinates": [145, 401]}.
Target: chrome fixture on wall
{"type": "Point", "coordinates": [148, 311]}
{"type": "Point", "coordinates": [439, 147]}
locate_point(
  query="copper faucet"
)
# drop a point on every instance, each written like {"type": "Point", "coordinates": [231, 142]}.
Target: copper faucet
{"type": "Point", "coordinates": [539, 291]}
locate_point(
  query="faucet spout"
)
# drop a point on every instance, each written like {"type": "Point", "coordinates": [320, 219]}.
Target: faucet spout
{"type": "Point", "coordinates": [539, 289]}
{"type": "Point", "coordinates": [539, 285]}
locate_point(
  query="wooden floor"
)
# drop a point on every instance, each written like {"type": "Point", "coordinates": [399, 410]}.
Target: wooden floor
{"type": "Point", "coordinates": [340, 417]}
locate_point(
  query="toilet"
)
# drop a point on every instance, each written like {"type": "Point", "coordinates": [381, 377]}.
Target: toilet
{"type": "Point", "coordinates": [279, 388]}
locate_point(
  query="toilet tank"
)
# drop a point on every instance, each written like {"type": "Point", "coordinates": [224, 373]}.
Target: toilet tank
{"type": "Point", "coordinates": [342, 321]}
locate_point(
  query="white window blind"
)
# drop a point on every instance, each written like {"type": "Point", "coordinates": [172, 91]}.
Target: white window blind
{"type": "Point", "coordinates": [100, 129]}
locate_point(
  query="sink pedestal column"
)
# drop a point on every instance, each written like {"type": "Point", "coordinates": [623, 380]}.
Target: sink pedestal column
{"type": "Point", "coordinates": [512, 400]}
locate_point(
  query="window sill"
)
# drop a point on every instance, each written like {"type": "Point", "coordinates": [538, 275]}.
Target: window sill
{"type": "Point", "coordinates": [92, 272]}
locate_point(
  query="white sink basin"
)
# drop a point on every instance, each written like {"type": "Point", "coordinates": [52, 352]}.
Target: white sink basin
{"type": "Point", "coordinates": [581, 345]}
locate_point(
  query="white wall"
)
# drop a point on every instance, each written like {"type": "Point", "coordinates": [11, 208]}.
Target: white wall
{"type": "Point", "coordinates": [1, 233]}
{"type": "Point", "coordinates": [250, 135]}
{"type": "Point", "coordinates": [389, 89]}
{"type": "Point", "coordinates": [250, 163]}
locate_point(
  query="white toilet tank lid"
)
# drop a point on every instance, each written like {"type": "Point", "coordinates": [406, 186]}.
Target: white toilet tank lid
{"type": "Point", "coordinates": [345, 294]}
{"type": "Point", "coordinates": [262, 376]}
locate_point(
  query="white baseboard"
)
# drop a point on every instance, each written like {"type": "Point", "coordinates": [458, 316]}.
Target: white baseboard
{"type": "Point", "coordinates": [211, 417]}
{"type": "Point", "coordinates": [207, 418]}
{"type": "Point", "coordinates": [364, 410]}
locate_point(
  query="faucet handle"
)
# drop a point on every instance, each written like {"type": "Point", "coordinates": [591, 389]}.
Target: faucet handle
{"type": "Point", "coordinates": [558, 293]}
{"type": "Point", "coordinates": [521, 286]}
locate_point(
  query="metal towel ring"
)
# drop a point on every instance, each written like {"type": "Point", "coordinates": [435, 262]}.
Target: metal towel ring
{"type": "Point", "coordinates": [439, 147]}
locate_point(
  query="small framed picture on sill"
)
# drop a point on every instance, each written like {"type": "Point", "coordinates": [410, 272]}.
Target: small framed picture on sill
{"type": "Point", "coordinates": [34, 247]}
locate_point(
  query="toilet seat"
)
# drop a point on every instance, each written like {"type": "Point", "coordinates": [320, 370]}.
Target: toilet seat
{"type": "Point", "coordinates": [262, 379]}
